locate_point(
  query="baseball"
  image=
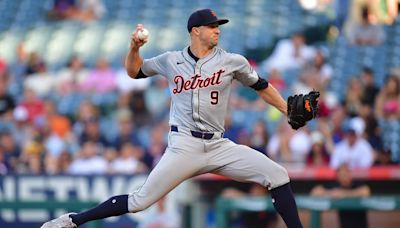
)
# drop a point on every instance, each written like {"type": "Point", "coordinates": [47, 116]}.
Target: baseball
{"type": "Point", "coordinates": [143, 34]}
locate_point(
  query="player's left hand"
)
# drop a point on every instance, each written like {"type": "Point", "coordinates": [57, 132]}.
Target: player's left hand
{"type": "Point", "coordinates": [302, 108]}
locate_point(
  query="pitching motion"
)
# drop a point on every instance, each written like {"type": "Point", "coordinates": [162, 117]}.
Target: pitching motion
{"type": "Point", "coordinates": [200, 78]}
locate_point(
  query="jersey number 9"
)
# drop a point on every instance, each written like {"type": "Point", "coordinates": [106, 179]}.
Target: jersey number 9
{"type": "Point", "coordinates": [214, 97]}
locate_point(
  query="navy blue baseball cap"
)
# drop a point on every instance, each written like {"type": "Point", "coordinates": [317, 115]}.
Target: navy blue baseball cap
{"type": "Point", "coordinates": [204, 17]}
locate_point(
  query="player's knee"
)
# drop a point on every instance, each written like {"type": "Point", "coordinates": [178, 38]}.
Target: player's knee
{"type": "Point", "coordinates": [135, 204]}
{"type": "Point", "coordinates": [281, 176]}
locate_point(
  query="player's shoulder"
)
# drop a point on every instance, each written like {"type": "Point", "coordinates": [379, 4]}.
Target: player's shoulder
{"type": "Point", "coordinates": [234, 57]}
{"type": "Point", "coordinates": [167, 55]}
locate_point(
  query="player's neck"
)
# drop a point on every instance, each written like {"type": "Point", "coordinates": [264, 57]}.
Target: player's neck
{"type": "Point", "coordinates": [200, 51]}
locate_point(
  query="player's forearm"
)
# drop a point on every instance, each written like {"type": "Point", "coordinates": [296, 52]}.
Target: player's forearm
{"type": "Point", "coordinates": [273, 97]}
{"type": "Point", "coordinates": [133, 62]}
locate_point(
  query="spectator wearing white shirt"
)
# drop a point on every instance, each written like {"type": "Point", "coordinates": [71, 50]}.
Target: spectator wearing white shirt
{"type": "Point", "coordinates": [129, 160]}
{"type": "Point", "coordinates": [354, 150]}
{"type": "Point", "coordinates": [290, 53]}
{"type": "Point", "coordinates": [289, 146]}
{"type": "Point", "coordinates": [89, 163]}
{"type": "Point", "coordinates": [125, 84]}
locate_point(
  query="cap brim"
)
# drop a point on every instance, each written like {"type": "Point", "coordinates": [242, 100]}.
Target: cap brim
{"type": "Point", "coordinates": [219, 22]}
{"type": "Point", "coordinates": [222, 21]}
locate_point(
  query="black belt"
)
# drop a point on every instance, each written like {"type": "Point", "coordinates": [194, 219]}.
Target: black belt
{"type": "Point", "coordinates": [196, 134]}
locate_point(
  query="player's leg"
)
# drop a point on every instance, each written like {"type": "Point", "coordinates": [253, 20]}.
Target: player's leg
{"type": "Point", "coordinates": [176, 165]}
{"type": "Point", "coordinates": [244, 164]}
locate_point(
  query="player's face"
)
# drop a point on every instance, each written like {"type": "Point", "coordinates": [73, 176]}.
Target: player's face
{"type": "Point", "coordinates": [209, 35]}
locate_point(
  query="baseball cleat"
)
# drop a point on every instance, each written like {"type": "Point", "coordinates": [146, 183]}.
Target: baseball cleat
{"type": "Point", "coordinates": [64, 221]}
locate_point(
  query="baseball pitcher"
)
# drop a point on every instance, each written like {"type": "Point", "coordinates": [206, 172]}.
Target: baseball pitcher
{"type": "Point", "coordinates": [200, 78]}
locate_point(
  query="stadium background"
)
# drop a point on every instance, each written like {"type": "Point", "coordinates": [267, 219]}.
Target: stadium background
{"type": "Point", "coordinates": [72, 137]}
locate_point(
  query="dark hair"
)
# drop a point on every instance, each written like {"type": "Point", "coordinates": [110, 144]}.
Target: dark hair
{"type": "Point", "coordinates": [367, 70]}
{"type": "Point", "coordinates": [364, 12]}
{"type": "Point", "coordinates": [396, 80]}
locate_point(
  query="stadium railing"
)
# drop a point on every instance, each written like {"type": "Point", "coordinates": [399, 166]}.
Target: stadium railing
{"type": "Point", "coordinates": [315, 205]}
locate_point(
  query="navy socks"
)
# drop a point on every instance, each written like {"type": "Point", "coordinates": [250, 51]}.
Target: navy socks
{"type": "Point", "coordinates": [284, 203]}
{"type": "Point", "coordinates": [116, 205]}
{"type": "Point", "coordinates": [282, 197]}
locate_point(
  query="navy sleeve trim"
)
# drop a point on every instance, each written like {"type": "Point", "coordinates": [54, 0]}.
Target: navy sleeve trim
{"type": "Point", "coordinates": [260, 84]}
{"type": "Point", "coordinates": [141, 74]}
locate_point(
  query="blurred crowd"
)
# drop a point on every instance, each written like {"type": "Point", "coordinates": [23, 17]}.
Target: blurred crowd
{"type": "Point", "coordinates": [81, 120]}
{"type": "Point", "coordinates": [96, 120]}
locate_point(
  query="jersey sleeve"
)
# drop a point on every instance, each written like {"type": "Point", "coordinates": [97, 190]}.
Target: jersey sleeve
{"type": "Point", "coordinates": [155, 65]}
{"type": "Point", "coordinates": [243, 72]}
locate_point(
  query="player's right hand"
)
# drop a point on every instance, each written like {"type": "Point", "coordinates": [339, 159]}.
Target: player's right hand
{"type": "Point", "coordinates": [135, 41]}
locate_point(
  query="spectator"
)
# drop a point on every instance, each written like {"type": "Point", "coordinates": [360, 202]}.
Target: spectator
{"type": "Point", "coordinates": [88, 10]}
{"type": "Point", "coordinates": [128, 162]}
{"type": "Point", "coordinates": [61, 9]}
{"type": "Point", "coordinates": [126, 130]}
{"type": "Point", "coordinates": [7, 102]}
{"type": "Point", "coordinates": [354, 151]}
{"type": "Point", "coordinates": [365, 32]}
{"type": "Point", "coordinates": [370, 90]}
{"type": "Point", "coordinates": [125, 84]}
{"type": "Point", "coordinates": [100, 80]}
{"type": "Point", "coordinates": [3, 69]}
{"type": "Point", "coordinates": [275, 78]}
{"type": "Point", "coordinates": [138, 106]}
{"type": "Point", "coordinates": [318, 155]}
{"type": "Point", "coordinates": [53, 122]}
{"type": "Point", "coordinates": [80, 10]}
{"type": "Point", "coordinates": [30, 159]}
{"type": "Point", "coordinates": [35, 165]}
{"type": "Point", "coordinates": [387, 111]}
{"type": "Point", "coordinates": [391, 137]}
{"type": "Point", "coordinates": [41, 82]}
{"type": "Point", "coordinates": [315, 74]}
{"type": "Point", "coordinates": [20, 126]}
{"type": "Point", "coordinates": [70, 77]}
{"type": "Point", "coordinates": [3, 164]}
{"type": "Point", "coordinates": [34, 63]}
{"type": "Point", "coordinates": [287, 145]}
{"type": "Point", "coordinates": [55, 127]}
{"type": "Point", "coordinates": [384, 157]}
{"type": "Point", "coordinates": [335, 128]}
{"type": "Point", "coordinates": [345, 187]}
{"type": "Point", "coordinates": [156, 146]}
{"type": "Point", "coordinates": [259, 136]}
{"type": "Point", "coordinates": [290, 53]}
{"type": "Point", "coordinates": [161, 216]}
{"type": "Point", "coordinates": [64, 162]}
{"type": "Point", "coordinates": [91, 132]}
{"type": "Point", "coordinates": [50, 164]}
{"type": "Point", "coordinates": [10, 150]}
{"type": "Point", "coordinates": [387, 103]}
{"type": "Point", "coordinates": [353, 97]}
{"type": "Point", "coordinates": [32, 104]}
{"type": "Point", "coordinates": [89, 162]}
{"type": "Point", "coordinates": [372, 129]}
{"type": "Point", "coordinates": [262, 219]}
{"type": "Point", "coordinates": [17, 70]}
{"type": "Point", "coordinates": [327, 102]}
{"type": "Point", "coordinates": [157, 98]}
{"type": "Point", "coordinates": [87, 110]}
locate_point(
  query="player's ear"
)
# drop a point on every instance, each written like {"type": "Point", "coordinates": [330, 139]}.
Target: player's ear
{"type": "Point", "coordinates": [196, 30]}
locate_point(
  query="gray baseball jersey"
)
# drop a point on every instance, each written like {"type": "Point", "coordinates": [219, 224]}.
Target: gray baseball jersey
{"type": "Point", "coordinates": [200, 94]}
{"type": "Point", "coordinates": [200, 90]}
